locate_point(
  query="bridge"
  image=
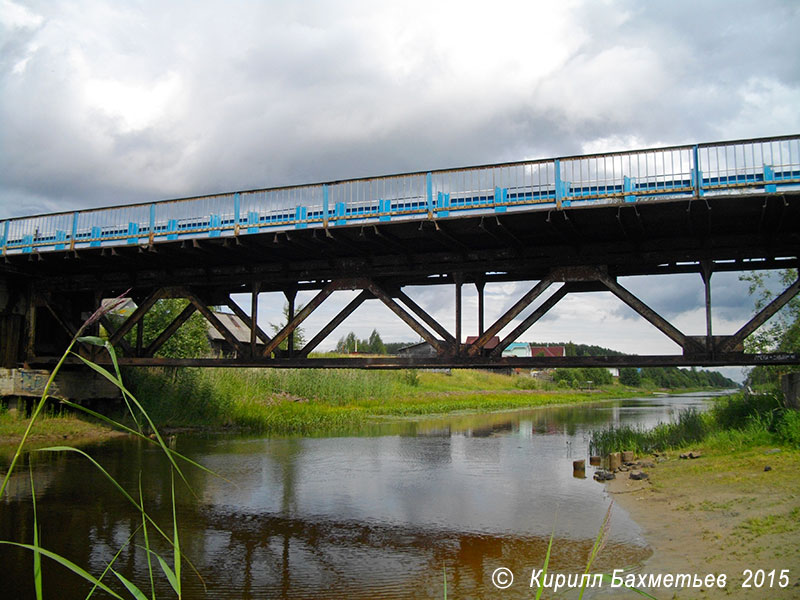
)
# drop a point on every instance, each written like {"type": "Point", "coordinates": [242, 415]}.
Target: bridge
{"type": "Point", "coordinates": [571, 224]}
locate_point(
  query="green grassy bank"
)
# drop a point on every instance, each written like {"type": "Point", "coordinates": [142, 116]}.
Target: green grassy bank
{"type": "Point", "coordinates": [733, 423]}
{"type": "Point", "coordinates": [318, 400]}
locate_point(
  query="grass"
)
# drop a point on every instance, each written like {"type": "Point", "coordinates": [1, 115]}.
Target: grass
{"type": "Point", "coordinates": [733, 423]}
{"type": "Point", "coordinates": [138, 415]}
{"type": "Point", "coordinates": [53, 424]}
{"type": "Point", "coordinates": [283, 401]}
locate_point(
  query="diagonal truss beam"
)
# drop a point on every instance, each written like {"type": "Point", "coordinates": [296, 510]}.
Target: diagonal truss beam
{"type": "Point", "coordinates": [169, 330]}
{"type": "Point", "coordinates": [762, 317]}
{"type": "Point", "coordinates": [536, 291]}
{"type": "Point", "coordinates": [68, 327]}
{"type": "Point", "coordinates": [532, 318]}
{"type": "Point", "coordinates": [426, 318]}
{"type": "Point", "coordinates": [123, 343]}
{"type": "Point", "coordinates": [300, 317]}
{"type": "Point", "coordinates": [245, 318]}
{"type": "Point", "coordinates": [215, 322]}
{"type": "Point", "coordinates": [334, 323]}
{"type": "Point", "coordinates": [137, 316]}
{"type": "Point", "coordinates": [409, 320]}
{"type": "Point", "coordinates": [649, 314]}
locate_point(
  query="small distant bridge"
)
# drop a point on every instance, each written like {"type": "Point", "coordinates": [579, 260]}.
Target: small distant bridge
{"type": "Point", "coordinates": [574, 224]}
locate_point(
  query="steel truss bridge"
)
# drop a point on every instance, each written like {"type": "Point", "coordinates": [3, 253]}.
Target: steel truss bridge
{"type": "Point", "coordinates": [573, 224]}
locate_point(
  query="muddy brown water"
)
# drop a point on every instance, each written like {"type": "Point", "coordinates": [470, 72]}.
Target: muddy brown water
{"type": "Point", "coordinates": [382, 514]}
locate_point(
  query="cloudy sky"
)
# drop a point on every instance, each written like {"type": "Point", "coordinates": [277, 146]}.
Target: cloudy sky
{"type": "Point", "coordinates": [113, 102]}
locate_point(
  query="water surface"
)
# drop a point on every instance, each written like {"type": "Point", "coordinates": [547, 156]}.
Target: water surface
{"type": "Point", "coordinates": [374, 515]}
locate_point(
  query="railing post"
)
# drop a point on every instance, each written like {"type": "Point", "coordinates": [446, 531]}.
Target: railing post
{"type": "Point", "coordinates": [559, 189]}
{"type": "Point", "coordinates": [5, 236]}
{"type": "Point", "coordinates": [770, 186]}
{"type": "Point", "coordinates": [429, 187]}
{"type": "Point", "coordinates": [325, 213]}
{"type": "Point", "coordinates": [74, 230]}
{"type": "Point", "coordinates": [697, 174]}
{"type": "Point", "coordinates": [152, 230]}
{"type": "Point", "coordinates": [627, 186]}
{"type": "Point", "coordinates": [236, 206]}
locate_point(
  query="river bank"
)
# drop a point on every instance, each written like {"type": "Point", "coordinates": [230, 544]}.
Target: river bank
{"type": "Point", "coordinates": [721, 513]}
{"type": "Point", "coordinates": [319, 401]}
{"type": "Point", "coordinates": [311, 402]}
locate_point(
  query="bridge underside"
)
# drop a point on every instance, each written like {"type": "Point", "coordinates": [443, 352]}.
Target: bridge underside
{"type": "Point", "coordinates": [571, 250]}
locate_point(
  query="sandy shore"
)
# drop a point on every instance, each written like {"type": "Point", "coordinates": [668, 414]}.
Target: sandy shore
{"type": "Point", "coordinates": [720, 513]}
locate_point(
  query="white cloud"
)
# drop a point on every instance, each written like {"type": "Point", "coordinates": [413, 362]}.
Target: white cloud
{"type": "Point", "coordinates": [16, 16]}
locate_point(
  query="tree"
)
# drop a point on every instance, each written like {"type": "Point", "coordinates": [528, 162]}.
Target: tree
{"type": "Point", "coordinates": [630, 376]}
{"type": "Point", "coordinates": [298, 336]}
{"type": "Point", "coordinates": [347, 344]}
{"type": "Point", "coordinates": [189, 341]}
{"type": "Point", "coordinates": [376, 345]}
{"type": "Point", "coordinates": [782, 331]}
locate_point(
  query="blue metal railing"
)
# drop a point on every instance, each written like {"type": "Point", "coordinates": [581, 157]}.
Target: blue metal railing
{"type": "Point", "coordinates": [766, 165]}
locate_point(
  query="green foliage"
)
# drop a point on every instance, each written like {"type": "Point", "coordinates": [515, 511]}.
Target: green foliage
{"type": "Point", "coordinates": [738, 411]}
{"type": "Point", "coordinates": [673, 377]}
{"type": "Point", "coordinates": [690, 428]}
{"type": "Point", "coordinates": [350, 343]}
{"type": "Point", "coordinates": [189, 341]}
{"type": "Point", "coordinates": [591, 376]}
{"type": "Point", "coordinates": [630, 376]}
{"type": "Point", "coordinates": [788, 428]}
{"type": "Point", "coordinates": [298, 336]}
{"type": "Point", "coordinates": [411, 377]}
{"type": "Point", "coordinates": [782, 332]}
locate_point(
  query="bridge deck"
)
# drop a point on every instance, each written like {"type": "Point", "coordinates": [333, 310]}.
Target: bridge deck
{"type": "Point", "coordinates": [770, 165]}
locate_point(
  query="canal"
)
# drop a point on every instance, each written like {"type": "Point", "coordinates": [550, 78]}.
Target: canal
{"type": "Point", "coordinates": [384, 513]}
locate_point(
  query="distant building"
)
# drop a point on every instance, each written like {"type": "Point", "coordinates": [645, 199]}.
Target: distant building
{"type": "Point", "coordinates": [548, 351]}
{"type": "Point", "coordinates": [490, 345]}
{"type": "Point", "coordinates": [422, 349]}
{"type": "Point", "coordinates": [521, 349]}
{"type": "Point", "coordinates": [219, 345]}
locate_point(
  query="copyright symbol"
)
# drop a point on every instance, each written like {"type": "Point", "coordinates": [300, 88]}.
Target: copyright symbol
{"type": "Point", "coordinates": [502, 578]}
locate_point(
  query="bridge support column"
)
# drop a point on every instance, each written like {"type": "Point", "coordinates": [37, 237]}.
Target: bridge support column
{"type": "Point", "coordinates": [706, 273]}
{"type": "Point", "coordinates": [14, 306]}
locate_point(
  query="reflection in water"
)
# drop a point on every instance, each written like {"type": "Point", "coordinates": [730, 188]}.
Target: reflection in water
{"type": "Point", "coordinates": [379, 515]}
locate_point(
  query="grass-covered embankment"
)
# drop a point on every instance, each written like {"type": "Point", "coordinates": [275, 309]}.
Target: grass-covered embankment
{"type": "Point", "coordinates": [318, 400]}
{"type": "Point", "coordinates": [734, 422]}
{"type": "Point", "coordinates": [53, 425]}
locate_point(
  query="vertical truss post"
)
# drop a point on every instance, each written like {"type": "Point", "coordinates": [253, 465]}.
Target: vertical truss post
{"type": "Point", "coordinates": [256, 288]}
{"type": "Point", "coordinates": [480, 284]}
{"type": "Point", "coordinates": [706, 273]}
{"type": "Point", "coordinates": [291, 296]}
{"type": "Point", "coordinates": [459, 279]}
